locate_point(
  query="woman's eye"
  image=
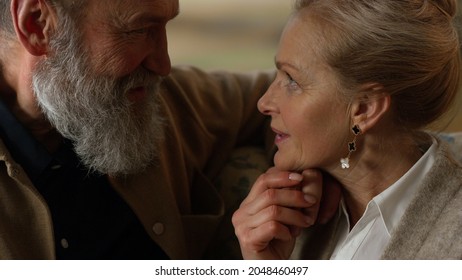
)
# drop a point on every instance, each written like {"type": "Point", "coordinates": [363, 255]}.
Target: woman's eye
{"type": "Point", "coordinates": [291, 83]}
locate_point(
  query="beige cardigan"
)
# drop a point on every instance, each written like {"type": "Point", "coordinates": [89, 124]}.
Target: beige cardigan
{"type": "Point", "coordinates": [206, 116]}
{"type": "Point", "coordinates": [431, 227]}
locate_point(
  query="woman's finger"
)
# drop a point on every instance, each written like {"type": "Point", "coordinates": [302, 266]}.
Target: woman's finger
{"type": "Point", "coordinates": [312, 187]}
{"type": "Point", "coordinates": [273, 180]}
{"type": "Point", "coordinates": [290, 198]}
{"type": "Point", "coordinates": [257, 239]}
{"type": "Point", "coordinates": [283, 215]}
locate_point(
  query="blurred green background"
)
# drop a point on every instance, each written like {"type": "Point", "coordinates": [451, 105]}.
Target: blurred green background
{"type": "Point", "coordinates": [240, 35]}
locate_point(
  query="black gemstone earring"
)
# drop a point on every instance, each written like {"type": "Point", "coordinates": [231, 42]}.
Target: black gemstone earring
{"type": "Point", "coordinates": [345, 162]}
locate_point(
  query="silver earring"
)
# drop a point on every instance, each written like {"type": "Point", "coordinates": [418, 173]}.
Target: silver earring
{"type": "Point", "coordinates": [345, 162]}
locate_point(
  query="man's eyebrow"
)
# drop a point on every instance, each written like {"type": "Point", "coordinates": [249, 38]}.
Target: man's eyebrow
{"type": "Point", "coordinates": [154, 18]}
{"type": "Point", "coordinates": [174, 13]}
{"type": "Point", "coordinates": [144, 18]}
{"type": "Point", "coordinates": [177, 13]}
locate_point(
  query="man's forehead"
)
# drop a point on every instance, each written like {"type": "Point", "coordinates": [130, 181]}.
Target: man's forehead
{"type": "Point", "coordinates": [166, 6]}
{"type": "Point", "coordinates": [162, 10]}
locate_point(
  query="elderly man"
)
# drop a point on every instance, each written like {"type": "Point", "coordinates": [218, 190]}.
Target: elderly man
{"type": "Point", "coordinates": [103, 156]}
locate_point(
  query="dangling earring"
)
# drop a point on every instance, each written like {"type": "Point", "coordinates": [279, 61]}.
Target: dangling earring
{"type": "Point", "coordinates": [351, 147]}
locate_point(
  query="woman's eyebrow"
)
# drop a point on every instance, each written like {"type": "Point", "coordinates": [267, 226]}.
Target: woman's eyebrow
{"type": "Point", "coordinates": [280, 64]}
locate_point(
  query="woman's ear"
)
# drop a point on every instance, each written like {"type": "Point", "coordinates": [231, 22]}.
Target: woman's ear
{"type": "Point", "coordinates": [34, 21]}
{"type": "Point", "coordinates": [370, 106]}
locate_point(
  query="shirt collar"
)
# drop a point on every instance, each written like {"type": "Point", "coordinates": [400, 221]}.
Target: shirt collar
{"type": "Point", "coordinates": [394, 200]}
{"type": "Point", "coordinates": [25, 150]}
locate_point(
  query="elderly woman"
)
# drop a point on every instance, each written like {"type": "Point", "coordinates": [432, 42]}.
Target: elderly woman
{"type": "Point", "coordinates": [357, 83]}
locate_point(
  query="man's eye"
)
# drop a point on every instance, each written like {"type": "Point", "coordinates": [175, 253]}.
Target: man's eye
{"type": "Point", "coordinates": [139, 31]}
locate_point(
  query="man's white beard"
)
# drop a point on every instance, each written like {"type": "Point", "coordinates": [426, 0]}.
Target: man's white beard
{"type": "Point", "coordinates": [110, 134]}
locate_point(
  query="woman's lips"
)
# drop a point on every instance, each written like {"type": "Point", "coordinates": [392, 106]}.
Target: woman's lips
{"type": "Point", "coordinates": [280, 137]}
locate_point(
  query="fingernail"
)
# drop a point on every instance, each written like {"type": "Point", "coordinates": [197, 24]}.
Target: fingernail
{"type": "Point", "coordinates": [310, 199]}
{"type": "Point", "coordinates": [309, 221]}
{"type": "Point", "coordinates": [295, 177]}
{"type": "Point", "coordinates": [306, 189]}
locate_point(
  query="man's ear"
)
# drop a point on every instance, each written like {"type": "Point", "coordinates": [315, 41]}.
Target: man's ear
{"type": "Point", "coordinates": [34, 21]}
{"type": "Point", "coordinates": [370, 106]}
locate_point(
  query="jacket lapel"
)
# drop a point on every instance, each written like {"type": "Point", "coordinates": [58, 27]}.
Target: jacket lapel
{"type": "Point", "coordinates": [150, 197]}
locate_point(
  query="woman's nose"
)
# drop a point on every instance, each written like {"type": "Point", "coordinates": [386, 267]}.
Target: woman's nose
{"type": "Point", "coordinates": [266, 104]}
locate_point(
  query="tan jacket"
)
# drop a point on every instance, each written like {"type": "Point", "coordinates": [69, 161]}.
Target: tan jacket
{"type": "Point", "coordinates": [206, 116]}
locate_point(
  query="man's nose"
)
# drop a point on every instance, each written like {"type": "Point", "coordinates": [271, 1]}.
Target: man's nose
{"type": "Point", "coordinates": [158, 59]}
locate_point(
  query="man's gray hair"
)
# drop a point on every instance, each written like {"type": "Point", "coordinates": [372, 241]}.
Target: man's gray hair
{"type": "Point", "coordinates": [71, 8]}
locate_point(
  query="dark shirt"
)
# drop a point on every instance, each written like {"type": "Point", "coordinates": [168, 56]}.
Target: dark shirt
{"type": "Point", "coordinates": [90, 220]}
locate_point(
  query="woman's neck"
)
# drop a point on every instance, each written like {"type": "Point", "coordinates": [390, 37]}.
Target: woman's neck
{"type": "Point", "coordinates": [375, 167]}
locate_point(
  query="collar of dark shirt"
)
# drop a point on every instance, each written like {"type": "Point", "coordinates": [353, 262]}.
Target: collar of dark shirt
{"type": "Point", "coordinates": [29, 153]}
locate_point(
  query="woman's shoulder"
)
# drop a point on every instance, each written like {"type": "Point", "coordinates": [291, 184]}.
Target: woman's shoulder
{"type": "Point", "coordinates": [454, 141]}
{"type": "Point", "coordinates": [432, 224]}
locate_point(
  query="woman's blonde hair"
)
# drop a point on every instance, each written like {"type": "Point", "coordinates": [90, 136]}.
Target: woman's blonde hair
{"type": "Point", "coordinates": [410, 47]}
